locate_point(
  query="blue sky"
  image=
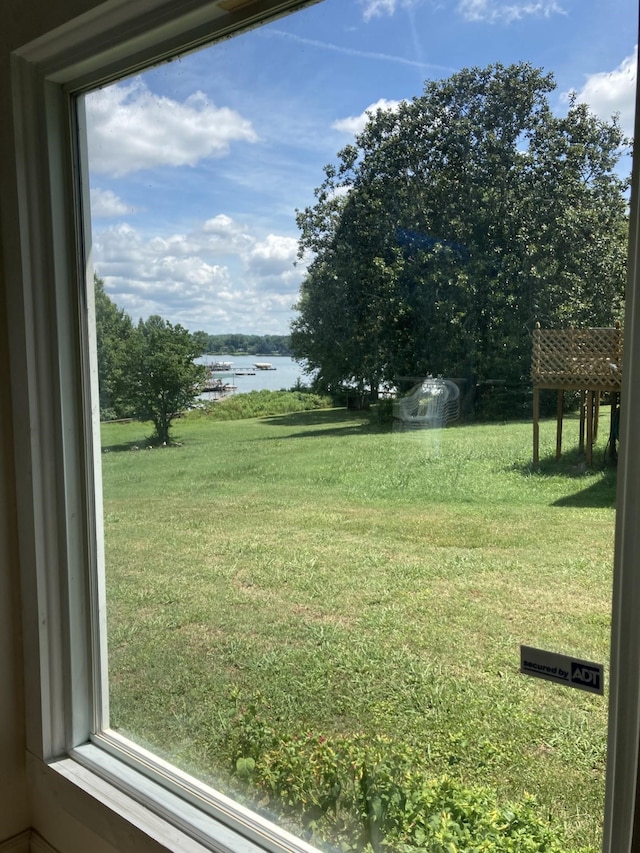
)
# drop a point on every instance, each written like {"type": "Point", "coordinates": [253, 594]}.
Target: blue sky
{"type": "Point", "coordinates": [197, 166]}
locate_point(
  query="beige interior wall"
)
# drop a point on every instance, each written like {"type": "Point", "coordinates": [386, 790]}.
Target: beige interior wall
{"type": "Point", "coordinates": [20, 807]}
{"type": "Point", "coordinates": [13, 811]}
{"type": "Point", "coordinates": [22, 22]}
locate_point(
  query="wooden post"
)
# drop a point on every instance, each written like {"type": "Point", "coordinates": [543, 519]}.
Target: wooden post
{"type": "Point", "coordinates": [596, 416]}
{"type": "Point", "coordinates": [536, 424]}
{"type": "Point", "coordinates": [590, 410]}
{"type": "Point", "coordinates": [559, 417]}
{"type": "Point", "coordinates": [582, 417]}
{"type": "Point", "coordinates": [615, 402]}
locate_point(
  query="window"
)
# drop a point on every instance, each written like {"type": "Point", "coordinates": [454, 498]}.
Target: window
{"type": "Point", "coordinates": [49, 76]}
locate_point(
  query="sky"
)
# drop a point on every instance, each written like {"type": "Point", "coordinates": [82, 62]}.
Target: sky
{"type": "Point", "coordinates": [196, 167]}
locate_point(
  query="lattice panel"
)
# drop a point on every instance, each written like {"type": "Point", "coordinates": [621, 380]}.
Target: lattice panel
{"type": "Point", "coordinates": [584, 359]}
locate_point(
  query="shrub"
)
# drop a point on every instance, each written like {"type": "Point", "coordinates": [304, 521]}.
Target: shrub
{"type": "Point", "coordinates": [383, 412]}
{"type": "Point", "coordinates": [376, 794]}
{"type": "Point", "coordinates": [263, 404]}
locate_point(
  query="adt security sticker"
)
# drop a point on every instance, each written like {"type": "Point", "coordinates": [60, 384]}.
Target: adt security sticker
{"type": "Point", "coordinates": [562, 669]}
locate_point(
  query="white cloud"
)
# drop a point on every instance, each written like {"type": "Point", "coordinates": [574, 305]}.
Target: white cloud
{"type": "Point", "coordinates": [107, 204]}
{"type": "Point", "coordinates": [507, 10]}
{"type": "Point", "coordinates": [355, 124]}
{"type": "Point", "coordinates": [131, 128]}
{"type": "Point", "coordinates": [471, 10]}
{"type": "Point", "coordinates": [609, 92]}
{"type": "Point", "coordinates": [275, 254]}
{"type": "Point", "coordinates": [373, 8]}
{"type": "Point", "coordinates": [220, 277]}
{"type": "Point", "coordinates": [221, 225]}
{"type": "Point", "coordinates": [223, 234]}
{"type": "Point", "coordinates": [119, 244]}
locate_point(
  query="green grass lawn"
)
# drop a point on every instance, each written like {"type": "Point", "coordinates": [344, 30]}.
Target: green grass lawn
{"type": "Point", "coordinates": [362, 580]}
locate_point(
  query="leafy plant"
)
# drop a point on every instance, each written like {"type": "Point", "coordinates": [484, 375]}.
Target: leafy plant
{"type": "Point", "coordinates": [360, 792]}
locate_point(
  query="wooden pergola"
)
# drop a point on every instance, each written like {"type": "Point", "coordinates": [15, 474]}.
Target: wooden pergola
{"type": "Point", "coordinates": [585, 360]}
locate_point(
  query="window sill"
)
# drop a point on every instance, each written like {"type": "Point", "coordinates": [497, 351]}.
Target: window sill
{"type": "Point", "coordinates": [136, 814]}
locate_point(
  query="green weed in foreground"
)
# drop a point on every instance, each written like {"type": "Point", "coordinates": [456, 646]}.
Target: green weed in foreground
{"type": "Point", "coordinates": [367, 584]}
{"type": "Point", "coordinates": [375, 793]}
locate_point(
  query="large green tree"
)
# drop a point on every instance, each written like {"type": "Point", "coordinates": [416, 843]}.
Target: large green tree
{"type": "Point", "coordinates": [114, 331]}
{"type": "Point", "coordinates": [146, 371]}
{"type": "Point", "coordinates": [456, 222]}
{"type": "Point", "coordinates": [162, 377]}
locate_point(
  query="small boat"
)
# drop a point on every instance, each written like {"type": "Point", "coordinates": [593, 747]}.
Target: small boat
{"type": "Point", "coordinates": [220, 366]}
{"type": "Point", "coordinates": [218, 387]}
{"type": "Point", "coordinates": [263, 365]}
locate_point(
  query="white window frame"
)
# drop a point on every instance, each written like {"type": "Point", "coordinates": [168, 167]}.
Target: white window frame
{"type": "Point", "coordinates": [103, 780]}
{"type": "Point", "coordinates": [136, 801]}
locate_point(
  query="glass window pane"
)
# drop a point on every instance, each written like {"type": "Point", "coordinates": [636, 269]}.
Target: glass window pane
{"type": "Point", "coordinates": [325, 537]}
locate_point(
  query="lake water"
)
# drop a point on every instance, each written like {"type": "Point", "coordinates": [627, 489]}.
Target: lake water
{"type": "Point", "coordinates": [286, 373]}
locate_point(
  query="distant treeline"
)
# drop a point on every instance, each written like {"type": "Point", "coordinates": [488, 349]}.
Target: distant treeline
{"type": "Point", "coordinates": [249, 344]}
